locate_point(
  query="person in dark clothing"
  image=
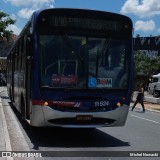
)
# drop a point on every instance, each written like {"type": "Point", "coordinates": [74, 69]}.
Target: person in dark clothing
{"type": "Point", "coordinates": [140, 98]}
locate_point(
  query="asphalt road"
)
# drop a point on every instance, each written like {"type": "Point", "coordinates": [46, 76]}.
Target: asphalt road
{"type": "Point", "coordinates": [140, 133]}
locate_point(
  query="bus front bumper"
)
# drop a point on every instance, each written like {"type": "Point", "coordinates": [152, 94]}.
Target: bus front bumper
{"type": "Point", "coordinates": [46, 116]}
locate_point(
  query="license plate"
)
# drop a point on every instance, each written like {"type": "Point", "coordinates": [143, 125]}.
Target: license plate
{"type": "Point", "coordinates": [84, 117]}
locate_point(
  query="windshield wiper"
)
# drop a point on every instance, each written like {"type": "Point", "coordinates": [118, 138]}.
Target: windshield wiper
{"type": "Point", "coordinates": [102, 53]}
{"type": "Point", "coordinates": [46, 86]}
{"type": "Point", "coordinates": [65, 88]}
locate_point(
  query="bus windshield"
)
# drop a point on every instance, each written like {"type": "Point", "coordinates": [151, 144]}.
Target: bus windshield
{"type": "Point", "coordinates": [83, 62]}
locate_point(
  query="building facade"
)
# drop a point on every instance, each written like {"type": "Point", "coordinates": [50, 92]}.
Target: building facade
{"type": "Point", "coordinates": [150, 46]}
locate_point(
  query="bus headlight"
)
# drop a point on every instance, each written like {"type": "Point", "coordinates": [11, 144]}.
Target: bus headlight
{"type": "Point", "coordinates": [119, 104]}
{"type": "Point", "coordinates": [46, 104]}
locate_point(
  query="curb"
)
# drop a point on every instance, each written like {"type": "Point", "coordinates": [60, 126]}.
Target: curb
{"type": "Point", "coordinates": [6, 133]}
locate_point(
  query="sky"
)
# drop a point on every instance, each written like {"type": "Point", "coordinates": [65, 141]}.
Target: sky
{"type": "Point", "coordinates": [145, 14]}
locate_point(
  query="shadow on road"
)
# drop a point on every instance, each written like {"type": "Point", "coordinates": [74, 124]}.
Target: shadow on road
{"type": "Point", "coordinates": [70, 138]}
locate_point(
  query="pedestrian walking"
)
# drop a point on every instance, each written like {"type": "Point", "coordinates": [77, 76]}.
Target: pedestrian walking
{"type": "Point", "coordinates": [140, 97]}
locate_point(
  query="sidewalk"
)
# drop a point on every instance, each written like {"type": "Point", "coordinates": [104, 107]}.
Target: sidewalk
{"type": "Point", "coordinates": [11, 135]}
{"type": "Point", "coordinates": [5, 144]}
{"type": "Point", "coordinates": [152, 107]}
{"type": "Point", "coordinates": [148, 102]}
{"type": "Point", "coordinates": [2, 140]}
{"type": "Point", "coordinates": [148, 106]}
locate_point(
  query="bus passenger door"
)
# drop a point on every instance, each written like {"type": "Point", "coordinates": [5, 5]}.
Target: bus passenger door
{"type": "Point", "coordinates": [29, 52]}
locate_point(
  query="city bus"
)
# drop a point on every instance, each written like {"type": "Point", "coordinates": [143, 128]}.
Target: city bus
{"type": "Point", "coordinates": [72, 68]}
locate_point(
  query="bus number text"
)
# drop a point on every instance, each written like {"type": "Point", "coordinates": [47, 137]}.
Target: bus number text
{"type": "Point", "coordinates": [101, 103]}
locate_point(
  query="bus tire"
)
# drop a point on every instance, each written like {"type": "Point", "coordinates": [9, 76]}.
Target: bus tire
{"type": "Point", "coordinates": [23, 113]}
{"type": "Point", "coordinates": [10, 95]}
{"type": "Point", "coordinates": [27, 126]}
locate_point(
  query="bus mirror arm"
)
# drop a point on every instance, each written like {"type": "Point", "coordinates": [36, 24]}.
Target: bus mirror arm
{"type": "Point", "coordinates": [29, 58]}
{"type": "Point", "coordinates": [29, 45]}
{"type": "Point", "coordinates": [30, 61]}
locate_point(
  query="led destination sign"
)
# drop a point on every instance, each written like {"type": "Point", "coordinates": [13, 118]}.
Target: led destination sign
{"type": "Point", "coordinates": [84, 23]}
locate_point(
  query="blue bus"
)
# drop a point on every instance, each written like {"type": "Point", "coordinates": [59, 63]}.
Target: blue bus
{"type": "Point", "coordinates": [72, 68]}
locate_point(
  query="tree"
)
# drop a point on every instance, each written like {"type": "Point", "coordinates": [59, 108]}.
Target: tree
{"type": "Point", "coordinates": [3, 64]}
{"type": "Point", "coordinates": [5, 21]}
{"type": "Point", "coordinates": [146, 65]}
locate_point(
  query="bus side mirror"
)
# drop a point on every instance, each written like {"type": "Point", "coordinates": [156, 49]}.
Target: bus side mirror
{"type": "Point", "coordinates": [29, 45]}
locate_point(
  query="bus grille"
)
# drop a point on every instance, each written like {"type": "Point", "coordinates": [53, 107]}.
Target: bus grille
{"type": "Point", "coordinates": [77, 109]}
{"type": "Point", "coordinates": [74, 121]}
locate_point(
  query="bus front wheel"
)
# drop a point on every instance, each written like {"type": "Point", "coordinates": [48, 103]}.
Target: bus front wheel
{"type": "Point", "coordinates": [23, 108]}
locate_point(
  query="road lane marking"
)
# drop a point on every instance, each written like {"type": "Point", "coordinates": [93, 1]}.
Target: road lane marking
{"type": "Point", "coordinates": [145, 119]}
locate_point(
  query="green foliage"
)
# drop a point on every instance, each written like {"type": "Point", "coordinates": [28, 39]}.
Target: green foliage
{"type": "Point", "coordinates": [3, 64]}
{"type": "Point", "coordinates": [5, 21]}
{"type": "Point", "coordinates": [146, 65]}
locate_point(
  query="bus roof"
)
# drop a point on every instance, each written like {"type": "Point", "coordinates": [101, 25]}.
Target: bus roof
{"type": "Point", "coordinates": [78, 9]}
{"type": "Point", "coordinates": [103, 17]}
